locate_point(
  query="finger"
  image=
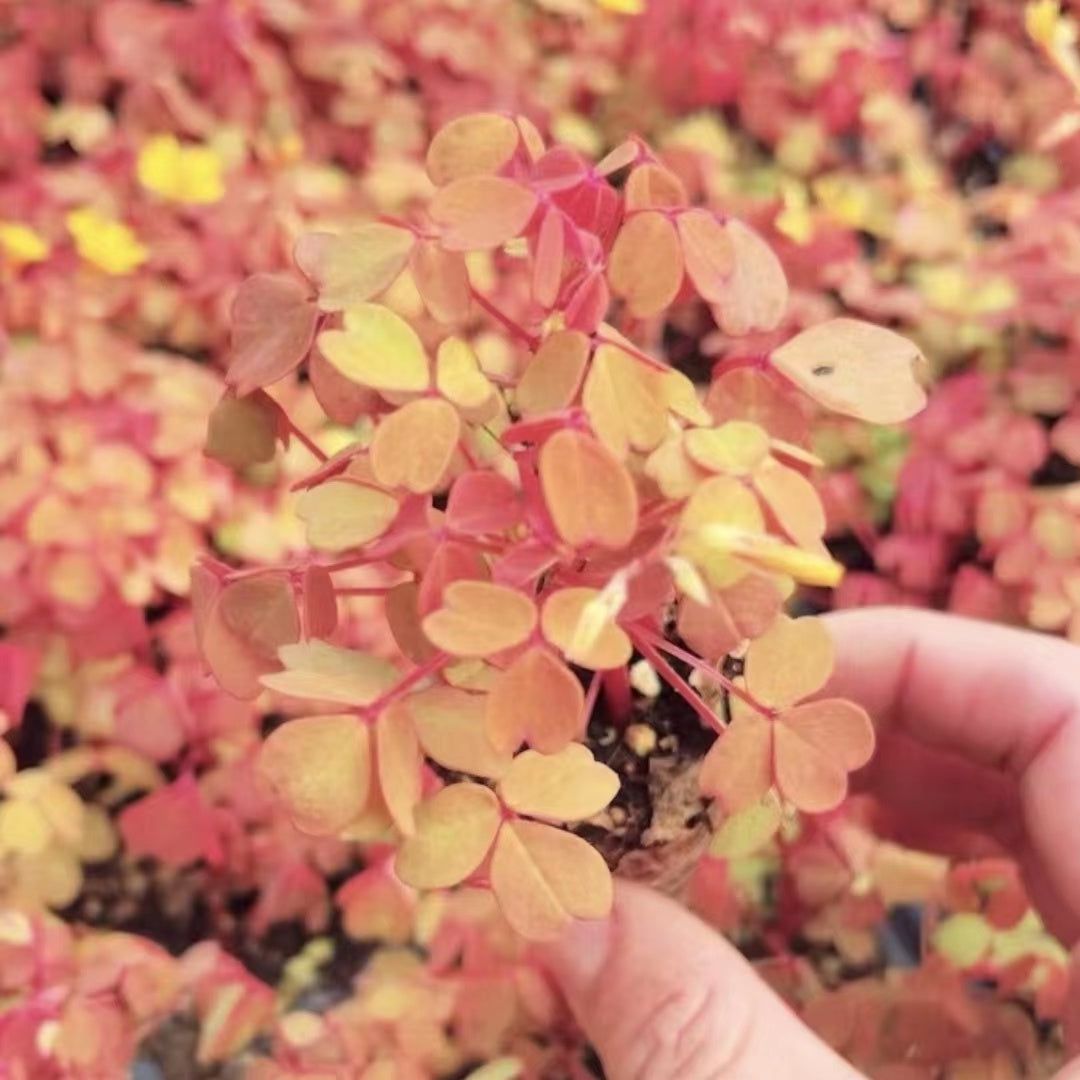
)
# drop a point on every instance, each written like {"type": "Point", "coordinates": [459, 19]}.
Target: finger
{"type": "Point", "coordinates": [1003, 698]}
{"type": "Point", "coordinates": [662, 996]}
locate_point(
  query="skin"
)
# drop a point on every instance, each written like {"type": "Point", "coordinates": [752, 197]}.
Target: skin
{"type": "Point", "coordinates": [978, 730]}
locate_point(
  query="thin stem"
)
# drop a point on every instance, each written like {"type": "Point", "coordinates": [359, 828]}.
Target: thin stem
{"type": "Point", "coordinates": [406, 682]}
{"type": "Point", "coordinates": [677, 683]}
{"type": "Point", "coordinates": [633, 350]}
{"type": "Point", "coordinates": [590, 697]}
{"type": "Point", "coordinates": [374, 590]}
{"type": "Point", "coordinates": [515, 328]}
{"type": "Point", "coordinates": [617, 693]}
{"type": "Point", "coordinates": [709, 672]}
{"type": "Point", "coordinates": [305, 441]}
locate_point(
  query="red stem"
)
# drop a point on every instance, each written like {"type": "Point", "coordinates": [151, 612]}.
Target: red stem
{"type": "Point", "coordinates": [677, 683]}
{"type": "Point", "coordinates": [709, 672]}
{"type": "Point", "coordinates": [590, 697]}
{"type": "Point", "coordinates": [406, 682]}
{"type": "Point", "coordinates": [305, 441]}
{"type": "Point", "coordinates": [515, 328]}
{"type": "Point", "coordinates": [617, 693]}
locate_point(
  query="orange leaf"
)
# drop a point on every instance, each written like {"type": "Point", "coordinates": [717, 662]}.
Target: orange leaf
{"type": "Point", "coordinates": [454, 830]}
{"type": "Point", "coordinates": [544, 877]}
{"type": "Point", "coordinates": [450, 561]}
{"type": "Point", "coordinates": [242, 431]}
{"type": "Point", "coordinates": [855, 368]}
{"type": "Point", "coordinates": [442, 279]}
{"type": "Point", "coordinates": [483, 502]}
{"type": "Point", "coordinates": [789, 662]}
{"type": "Point", "coordinates": [320, 768]}
{"type": "Point", "coordinates": [343, 513]}
{"type": "Point", "coordinates": [399, 762]}
{"type": "Point", "coordinates": [471, 145]}
{"type": "Point", "coordinates": [625, 402]}
{"type": "Point", "coordinates": [737, 770]}
{"type": "Point", "coordinates": [756, 294]}
{"type": "Point", "coordinates": [403, 619]}
{"type": "Point", "coordinates": [450, 725]}
{"type": "Point", "coordinates": [355, 266]}
{"type": "Point", "coordinates": [537, 699]}
{"type": "Point", "coordinates": [377, 348]}
{"type": "Point", "coordinates": [567, 786]}
{"type": "Point", "coordinates": [707, 628]}
{"type": "Point", "coordinates": [646, 264]}
{"type": "Point", "coordinates": [737, 447]}
{"type": "Point", "coordinates": [560, 621]}
{"type": "Point", "coordinates": [480, 619]}
{"type": "Point", "coordinates": [478, 213]}
{"type": "Point", "coordinates": [320, 602]}
{"type": "Point", "coordinates": [548, 260]}
{"type": "Point", "coordinates": [748, 394]}
{"type": "Point", "coordinates": [816, 745]}
{"type": "Point", "coordinates": [552, 377]}
{"type": "Point", "coordinates": [708, 252]}
{"type": "Point", "coordinates": [273, 325]}
{"type": "Point", "coordinates": [413, 447]}
{"type": "Point", "coordinates": [589, 493]}
{"type": "Point", "coordinates": [261, 612]}
{"type": "Point", "coordinates": [720, 514]}
{"type": "Point", "coordinates": [794, 503]}
{"type": "Point", "coordinates": [652, 186]}
{"type": "Point", "coordinates": [458, 376]}
{"type": "Point", "coordinates": [319, 671]}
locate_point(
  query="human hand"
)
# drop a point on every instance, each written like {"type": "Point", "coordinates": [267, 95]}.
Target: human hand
{"type": "Point", "coordinates": [978, 726]}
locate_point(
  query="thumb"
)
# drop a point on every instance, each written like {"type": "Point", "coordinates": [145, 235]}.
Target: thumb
{"type": "Point", "coordinates": [661, 996]}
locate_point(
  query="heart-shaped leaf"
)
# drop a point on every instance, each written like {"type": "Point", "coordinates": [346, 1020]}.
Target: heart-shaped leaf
{"type": "Point", "coordinates": [588, 492]}
{"type": "Point", "coordinates": [567, 786]}
{"type": "Point", "coordinates": [737, 770]}
{"type": "Point", "coordinates": [477, 144]}
{"type": "Point", "coordinates": [450, 725]}
{"type": "Point", "coordinates": [273, 326]}
{"type": "Point", "coordinates": [350, 268]}
{"type": "Point", "coordinates": [708, 251]}
{"type": "Point", "coordinates": [756, 293]}
{"type": "Point", "coordinates": [480, 619]}
{"type": "Point", "coordinates": [320, 768]}
{"type": "Point", "coordinates": [478, 213]}
{"type": "Point", "coordinates": [454, 831]}
{"type": "Point", "coordinates": [789, 662]}
{"type": "Point", "coordinates": [551, 379]}
{"type": "Point", "coordinates": [561, 619]}
{"type": "Point", "coordinates": [544, 877]}
{"type": "Point", "coordinates": [539, 700]}
{"type": "Point", "coordinates": [855, 368]}
{"type": "Point", "coordinates": [378, 348]}
{"type": "Point", "coordinates": [646, 264]}
{"type": "Point", "coordinates": [625, 402]}
{"type": "Point", "coordinates": [319, 671]}
{"type": "Point", "coordinates": [413, 447]}
{"type": "Point", "coordinates": [344, 513]}
{"type": "Point", "coordinates": [399, 762]}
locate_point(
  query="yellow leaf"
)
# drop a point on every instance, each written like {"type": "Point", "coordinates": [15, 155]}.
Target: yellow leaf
{"type": "Point", "coordinates": [21, 244]}
{"type": "Point", "coordinates": [413, 447]}
{"type": "Point", "coordinates": [560, 619]}
{"type": "Point", "coordinates": [625, 401]}
{"type": "Point", "coordinates": [180, 172]}
{"type": "Point", "coordinates": [322, 672]}
{"type": "Point", "coordinates": [354, 267]}
{"type": "Point", "coordinates": [790, 661]}
{"type": "Point", "coordinates": [568, 786]}
{"type": "Point", "coordinates": [454, 831]}
{"type": "Point", "coordinates": [452, 730]}
{"type": "Point", "coordinates": [343, 513]}
{"type": "Point", "coordinates": [963, 939]}
{"type": "Point", "coordinates": [544, 877]}
{"type": "Point", "coordinates": [479, 619]}
{"type": "Point", "coordinates": [458, 376]}
{"type": "Point", "coordinates": [737, 447]}
{"type": "Point", "coordinates": [320, 768]}
{"type": "Point", "coordinates": [109, 244]}
{"type": "Point", "coordinates": [748, 830]}
{"type": "Point", "coordinates": [719, 514]}
{"type": "Point", "coordinates": [377, 348]}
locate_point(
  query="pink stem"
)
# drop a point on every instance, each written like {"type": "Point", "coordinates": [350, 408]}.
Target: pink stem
{"type": "Point", "coordinates": [590, 697]}
{"type": "Point", "coordinates": [515, 328]}
{"type": "Point", "coordinates": [709, 672]}
{"type": "Point", "coordinates": [678, 684]}
{"type": "Point", "coordinates": [406, 682]}
{"type": "Point", "coordinates": [617, 693]}
{"type": "Point", "coordinates": [305, 441]}
{"type": "Point", "coordinates": [374, 590]}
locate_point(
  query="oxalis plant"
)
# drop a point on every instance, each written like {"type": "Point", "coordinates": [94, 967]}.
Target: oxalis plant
{"type": "Point", "coordinates": [553, 518]}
